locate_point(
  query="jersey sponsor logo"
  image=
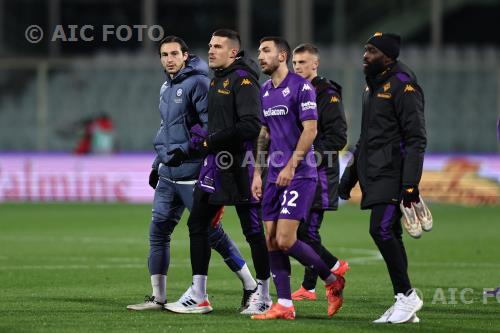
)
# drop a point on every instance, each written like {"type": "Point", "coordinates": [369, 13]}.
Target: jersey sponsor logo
{"type": "Point", "coordinates": [306, 87]}
{"type": "Point", "coordinates": [278, 110]}
{"type": "Point", "coordinates": [409, 88]}
{"type": "Point", "coordinates": [286, 92]}
{"type": "Point", "coordinates": [309, 105]}
{"type": "Point", "coordinates": [285, 210]}
{"type": "Point", "coordinates": [384, 95]}
{"type": "Point", "coordinates": [334, 99]}
{"type": "Point", "coordinates": [225, 83]}
{"type": "Point", "coordinates": [266, 94]}
{"type": "Point", "coordinates": [246, 82]}
{"type": "Point", "coordinates": [387, 86]}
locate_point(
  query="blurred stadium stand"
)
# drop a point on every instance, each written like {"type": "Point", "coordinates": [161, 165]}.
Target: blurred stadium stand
{"type": "Point", "coordinates": [455, 57]}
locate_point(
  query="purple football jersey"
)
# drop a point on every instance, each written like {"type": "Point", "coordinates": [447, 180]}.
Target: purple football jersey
{"type": "Point", "coordinates": [284, 108]}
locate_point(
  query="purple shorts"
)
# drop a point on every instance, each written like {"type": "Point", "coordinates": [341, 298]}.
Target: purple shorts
{"type": "Point", "coordinates": [291, 202]}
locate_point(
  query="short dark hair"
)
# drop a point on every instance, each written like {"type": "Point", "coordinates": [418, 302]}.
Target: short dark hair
{"type": "Point", "coordinates": [229, 34]}
{"type": "Point", "coordinates": [280, 43]}
{"type": "Point", "coordinates": [174, 39]}
{"type": "Point", "coordinates": [307, 47]}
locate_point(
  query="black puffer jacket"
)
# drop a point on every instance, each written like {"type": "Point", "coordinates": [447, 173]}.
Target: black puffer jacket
{"type": "Point", "coordinates": [391, 147]}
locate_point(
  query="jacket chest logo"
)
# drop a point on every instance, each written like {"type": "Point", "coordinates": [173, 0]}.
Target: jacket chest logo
{"type": "Point", "coordinates": [224, 90]}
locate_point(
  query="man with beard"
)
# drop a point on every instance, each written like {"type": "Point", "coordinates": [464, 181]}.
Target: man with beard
{"type": "Point", "coordinates": [289, 119]}
{"type": "Point", "coordinates": [388, 162]}
{"type": "Point", "coordinates": [233, 126]}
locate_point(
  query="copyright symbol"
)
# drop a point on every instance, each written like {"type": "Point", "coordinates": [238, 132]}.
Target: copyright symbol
{"type": "Point", "coordinates": [224, 160]}
{"type": "Point", "coordinates": [33, 34]}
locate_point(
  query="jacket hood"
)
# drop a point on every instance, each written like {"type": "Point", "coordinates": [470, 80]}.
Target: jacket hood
{"type": "Point", "coordinates": [322, 84]}
{"type": "Point", "coordinates": [242, 62]}
{"type": "Point", "coordinates": [194, 65]}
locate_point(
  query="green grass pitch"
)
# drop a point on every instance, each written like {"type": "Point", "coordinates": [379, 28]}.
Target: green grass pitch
{"type": "Point", "coordinates": [75, 267]}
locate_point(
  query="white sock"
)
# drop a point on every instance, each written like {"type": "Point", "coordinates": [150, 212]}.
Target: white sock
{"type": "Point", "coordinates": [264, 288]}
{"type": "Point", "coordinates": [159, 284]}
{"type": "Point", "coordinates": [337, 265]}
{"type": "Point", "coordinates": [199, 287]}
{"type": "Point", "coordinates": [246, 277]}
{"type": "Point", "coordinates": [312, 290]}
{"type": "Point", "coordinates": [285, 302]}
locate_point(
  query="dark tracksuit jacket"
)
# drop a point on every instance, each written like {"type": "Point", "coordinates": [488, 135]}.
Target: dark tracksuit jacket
{"type": "Point", "coordinates": [234, 125]}
{"type": "Point", "coordinates": [390, 150]}
{"type": "Point", "coordinates": [331, 137]}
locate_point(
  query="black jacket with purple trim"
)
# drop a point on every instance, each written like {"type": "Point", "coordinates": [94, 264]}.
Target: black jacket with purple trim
{"type": "Point", "coordinates": [233, 127]}
{"type": "Point", "coordinates": [330, 139]}
{"type": "Point", "coordinates": [390, 151]}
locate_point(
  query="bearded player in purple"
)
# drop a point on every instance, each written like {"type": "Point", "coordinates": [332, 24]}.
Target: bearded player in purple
{"type": "Point", "coordinates": [289, 118]}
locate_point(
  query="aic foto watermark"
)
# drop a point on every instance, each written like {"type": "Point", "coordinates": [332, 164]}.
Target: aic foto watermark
{"type": "Point", "coordinates": [90, 33]}
{"type": "Point", "coordinates": [452, 296]}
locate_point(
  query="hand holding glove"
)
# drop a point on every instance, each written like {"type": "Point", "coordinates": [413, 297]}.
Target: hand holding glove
{"type": "Point", "coordinates": [410, 195]}
{"type": "Point", "coordinates": [198, 136]}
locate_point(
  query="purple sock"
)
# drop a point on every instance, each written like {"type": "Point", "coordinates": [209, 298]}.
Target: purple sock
{"type": "Point", "coordinates": [309, 258]}
{"type": "Point", "coordinates": [281, 270]}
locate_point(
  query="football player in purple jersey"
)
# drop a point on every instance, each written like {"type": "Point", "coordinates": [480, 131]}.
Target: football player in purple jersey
{"type": "Point", "coordinates": [289, 126]}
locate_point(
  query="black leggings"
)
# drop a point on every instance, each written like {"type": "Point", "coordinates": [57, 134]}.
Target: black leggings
{"type": "Point", "coordinates": [386, 231]}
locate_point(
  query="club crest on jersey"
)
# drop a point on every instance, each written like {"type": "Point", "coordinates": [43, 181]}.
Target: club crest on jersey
{"type": "Point", "coordinates": [306, 87]}
{"type": "Point", "coordinates": [178, 92]}
{"type": "Point", "coordinates": [286, 92]}
{"type": "Point", "coordinates": [225, 83]}
{"type": "Point", "coordinates": [266, 94]}
{"type": "Point", "coordinates": [277, 110]}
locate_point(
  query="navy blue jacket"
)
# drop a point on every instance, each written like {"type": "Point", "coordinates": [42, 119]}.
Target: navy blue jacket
{"type": "Point", "coordinates": [183, 103]}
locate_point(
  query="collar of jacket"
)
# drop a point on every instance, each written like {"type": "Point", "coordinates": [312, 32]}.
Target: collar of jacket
{"type": "Point", "coordinates": [381, 77]}
{"type": "Point", "coordinates": [321, 84]}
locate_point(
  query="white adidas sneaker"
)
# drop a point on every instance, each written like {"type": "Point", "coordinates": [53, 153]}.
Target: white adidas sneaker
{"type": "Point", "coordinates": [187, 304]}
{"type": "Point", "coordinates": [405, 307]}
{"type": "Point", "coordinates": [149, 304]}
{"type": "Point", "coordinates": [257, 304]}
{"type": "Point", "coordinates": [385, 317]}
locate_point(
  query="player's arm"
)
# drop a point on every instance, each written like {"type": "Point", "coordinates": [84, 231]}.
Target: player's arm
{"type": "Point", "coordinates": [333, 125]}
{"type": "Point", "coordinates": [262, 149]}
{"type": "Point", "coordinates": [350, 175]}
{"type": "Point", "coordinates": [305, 142]}
{"type": "Point", "coordinates": [260, 159]}
{"type": "Point", "coordinates": [199, 100]}
{"type": "Point", "coordinates": [409, 105]}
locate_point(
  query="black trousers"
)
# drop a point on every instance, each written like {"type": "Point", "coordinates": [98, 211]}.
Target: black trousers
{"type": "Point", "coordinates": [199, 222]}
{"type": "Point", "coordinates": [386, 231]}
{"type": "Point", "coordinates": [308, 232]}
